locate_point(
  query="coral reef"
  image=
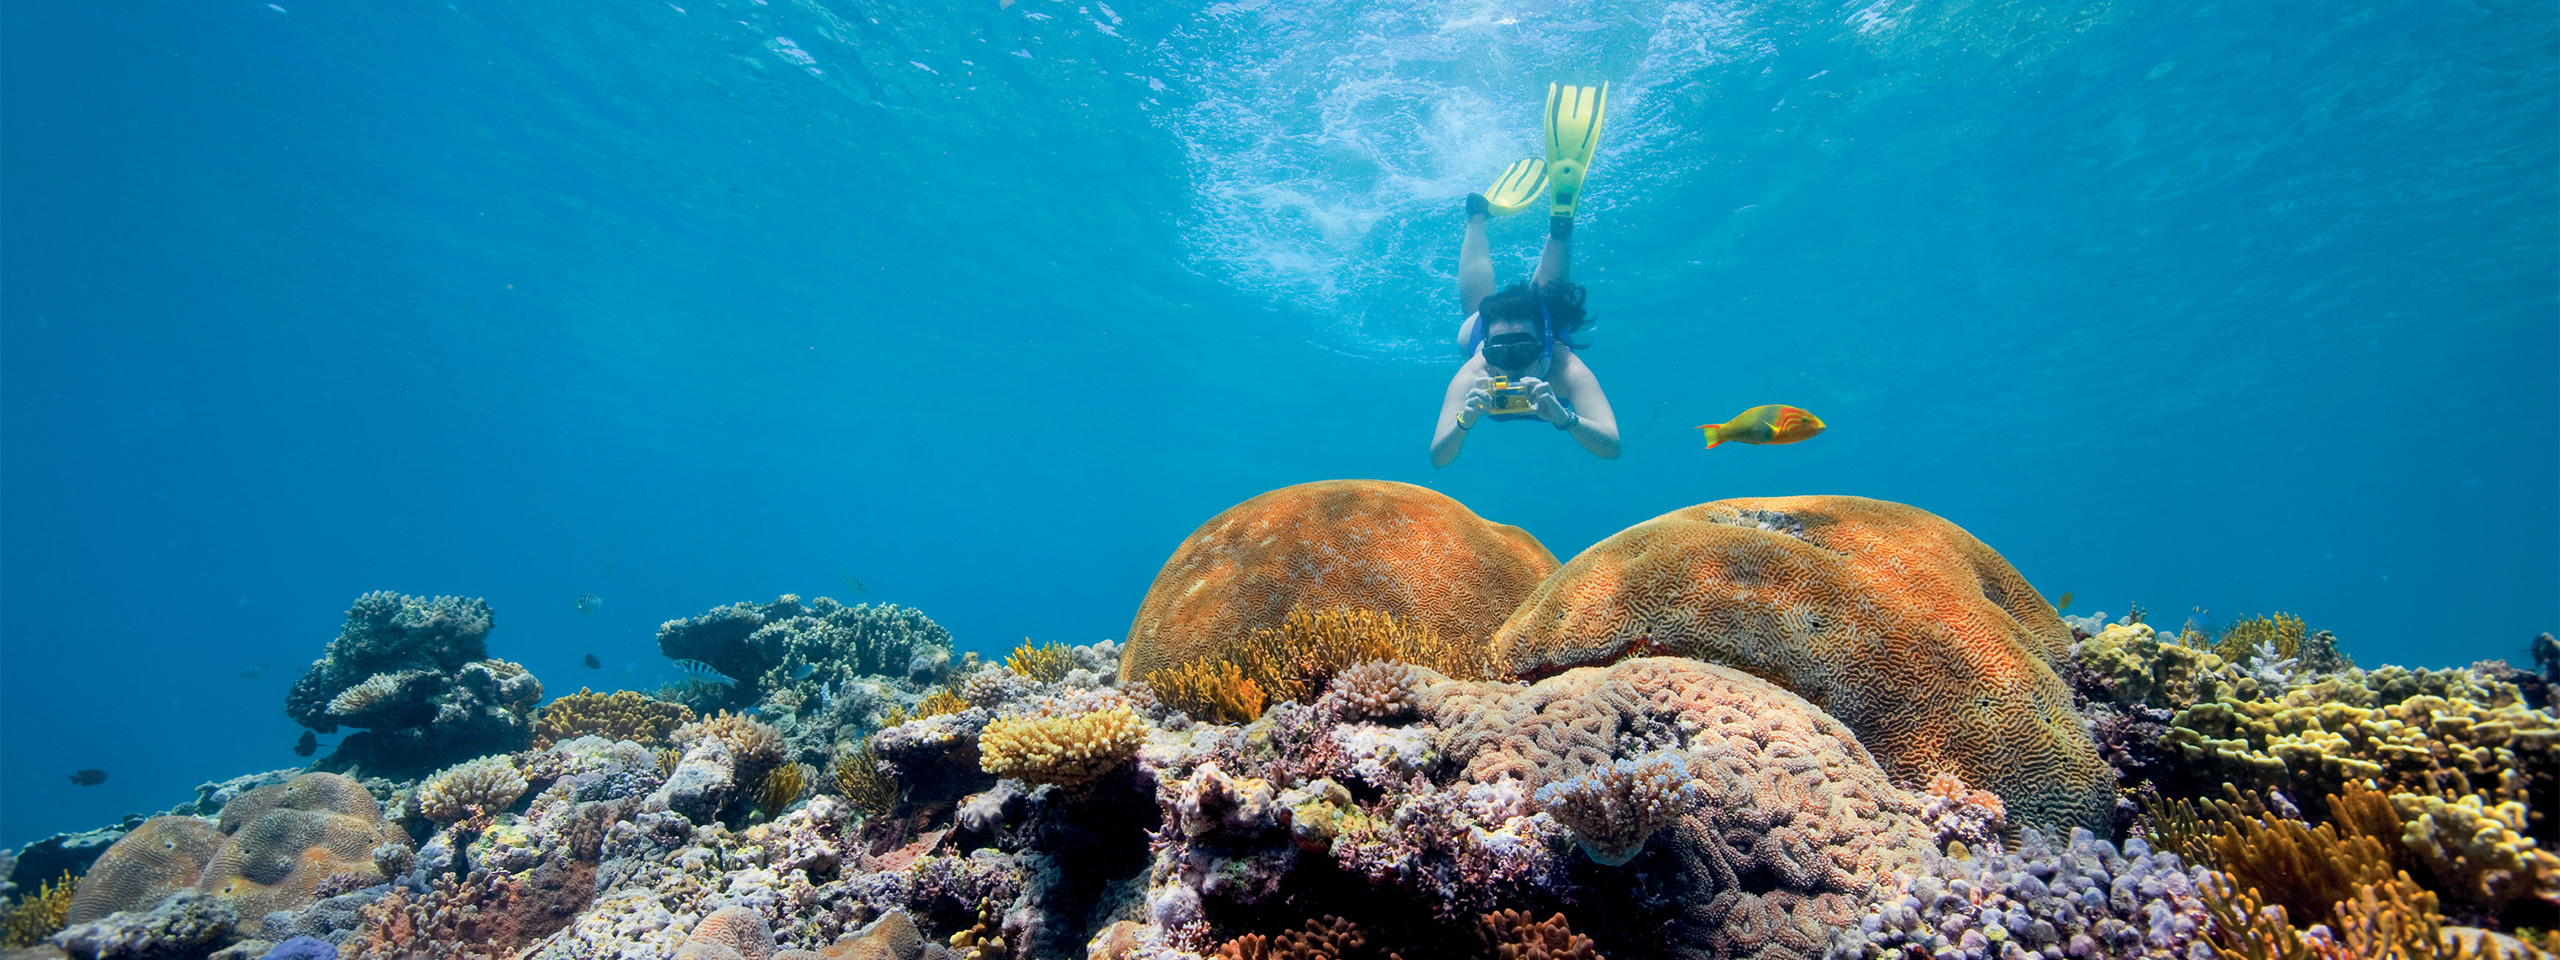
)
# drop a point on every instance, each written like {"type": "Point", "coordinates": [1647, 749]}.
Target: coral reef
{"type": "Point", "coordinates": [1898, 623]}
{"type": "Point", "coordinates": [2085, 899]}
{"type": "Point", "coordinates": [36, 914]}
{"type": "Point", "coordinates": [1046, 663]}
{"type": "Point", "coordinates": [1614, 807]}
{"type": "Point", "coordinates": [1374, 545]}
{"type": "Point", "coordinates": [1301, 655]}
{"type": "Point", "coordinates": [1069, 750]}
{"type": "Point", "coordinates": [1513, 935]}
{"type": "Point", "coordinates": [808, 649]}
{"type": "Point", "coordinates": [188, 924]}
{"type": "Point", "coordinates": [282, 841]}
{"type": "Point", "coordinates": [413, 674]}
{"type": "Point", "coordinates": [470, 789]}
{"type": "Point", "coordinates": [622, 715]}
{"type": "Point", "coordinates": [2479, 850]}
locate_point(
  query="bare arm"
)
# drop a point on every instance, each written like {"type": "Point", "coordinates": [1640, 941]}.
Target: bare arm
{"type": "Point", "coordinates": [1597, 428]}
{"type": "Point", "coordinates": [1447, 437]}
{"type": "Point", "coordinates": [1555, 263]}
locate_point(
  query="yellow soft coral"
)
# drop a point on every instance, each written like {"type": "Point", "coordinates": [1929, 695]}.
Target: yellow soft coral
{"type": "Point", "coordinates": [1066, 750]}
{"type": "Point", "coordinates": [1047, 663]}
{"type": "Point", "coordinates": [1295, 660]}
{"type": "Point", "coordinates": [37, 915]}
{"type": "Point", "coordinates": [2283, 631]}
{"type": "Point", "coordinates": [624, 715]}
{"type": "Point", "coordinates": [1217, 692]}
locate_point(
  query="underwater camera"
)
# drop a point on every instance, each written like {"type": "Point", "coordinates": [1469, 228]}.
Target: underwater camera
{"type": "Point", "coordinates": [1508, 397]}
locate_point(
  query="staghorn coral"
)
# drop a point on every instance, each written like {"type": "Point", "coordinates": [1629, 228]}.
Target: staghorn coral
{"type": "Point", "coordinates": [2478, 850]}
{"type": "Point", "coordinates": [282, 841]}
{"type": "Point", "coordinates": [2083, 899]}
{"type": "Point", "coordinates": [1514, 935]}
{"type": "Point", "coordinates": [1900, 624]}
{"type": "Point", "coordinates": [1615, 806]}
{"type": "Point", "coordinates": [1067, 750]}
{"type": "Point", "coordinates": [37, 914]}
{"type": "Point", "coordinates": [1799, 831]}
{"type": "Point", "coordinates": [622, 715]}
{"type": "Point", "coordinates": [413, 674]}
{"type": "Point", "coordinates": [160, 857]}
{"type": "Point", "coordinates": [1046, 663]}
{"type": "Point", "coordinates": [806, 648]}
{"type": "Point", "coordinates": [1376, 545]}
{"type": "Point", "coordinates": [473, 788]}
{"type": "Point", "coordinates": [1212, 691]}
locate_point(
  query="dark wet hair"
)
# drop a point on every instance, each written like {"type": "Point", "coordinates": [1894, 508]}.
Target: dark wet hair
{"type": "Point", "coordinates": [1520, 301]}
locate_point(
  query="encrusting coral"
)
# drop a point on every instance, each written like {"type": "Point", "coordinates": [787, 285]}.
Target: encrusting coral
{"type": "Point", "coordinates": [1900, 624]}
{"type": "Point", "coordinates": [1069, 749]}
{"type": "Point", "coordinates": [413, 674]}
{"type": "Point", "coordinates": [471, 788]}
{"type": "Point", "coordinates": [621, 715]}
{"type": "Point", "coordinates": [1375, 545]}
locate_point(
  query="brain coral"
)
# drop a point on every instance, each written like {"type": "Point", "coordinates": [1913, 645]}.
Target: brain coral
{"type": "Point", "coordinates": [281, 841]}
{"type": "Point", "coordinates": [1898, 623]}
{"type": "Point", "coordinates": [1375, 545]}
{"type": "Point", "coordinates": [160, 857]}
{"type": "Point", "coordinates": [1799, 829]}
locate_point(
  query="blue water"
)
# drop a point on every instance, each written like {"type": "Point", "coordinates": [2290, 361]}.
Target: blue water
{"type": "Point", "coordinates": [2246, 307]}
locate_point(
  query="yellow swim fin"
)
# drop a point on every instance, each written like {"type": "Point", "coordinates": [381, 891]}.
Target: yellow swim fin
{"type": "Point", "coordinates": [1573, 135]}
{"type": "Point", "coordinates": [1519, 186]}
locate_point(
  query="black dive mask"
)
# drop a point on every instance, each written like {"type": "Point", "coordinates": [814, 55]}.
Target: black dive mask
{"type": "Point", "coordinates": [1511, 351]}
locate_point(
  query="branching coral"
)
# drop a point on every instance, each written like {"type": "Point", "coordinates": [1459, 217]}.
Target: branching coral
{"type": "Point", "coordinates": [1214, 691]}
{"type": "Point", "coordinates": [1372, 691]}
{"type": "Point", "coordinates": [483, 916]}
{"type": "Point", "coordinates": [2478, 850]}
{"type": "Point", "coordinates": [1921, 638]}
{"type": "Point", "coordinates": [37, 914]}
{"type": "Point", "coordinates": [2392, 919]}
{"type": "Point", "coordinates": [1394, 548]}
{"type": "Point", "coordinates": [472, 788]}
{"type": "Point", "coordinates": [623, 715]}
{"type": "Point", "coordinates": [1046, 663]}
{"type": "Point", "coordinates": [756, 746]}
{"type": "Point", "coordinates": [1514, 935]}
{"type": "Point", "coordinates": [1066, 750]}
{"type": "Point", "coordinates": [2131, 665]}
{"type": "Point", "coordinates": [1615, 806]}
{"type": "Point", "coordinates": [2307, 870]}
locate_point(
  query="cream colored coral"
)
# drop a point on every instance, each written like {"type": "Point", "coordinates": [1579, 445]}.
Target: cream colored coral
{"type": "Point", "coordinates": [754, 743]}
{"type": "Point", "coordinates": [2315, 738]}
{"type": "Point", "coordinates": [485, 785]}
{"type": "Point", "coordinates": [2479, 849]}
{"type": "Point", "coordinates": [1062, 749]}
{"type": "Point", "coordinates": [371, 693]}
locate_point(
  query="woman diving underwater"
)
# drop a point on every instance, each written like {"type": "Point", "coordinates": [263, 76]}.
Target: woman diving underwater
{"type": "Point", "coordinates": [1521, 363]}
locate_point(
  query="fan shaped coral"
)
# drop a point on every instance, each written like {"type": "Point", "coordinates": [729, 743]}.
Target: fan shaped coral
{"type": "Point", "coordinates": [1373, 545]}
{"type": "Point", "coordinates": [1900, 624]}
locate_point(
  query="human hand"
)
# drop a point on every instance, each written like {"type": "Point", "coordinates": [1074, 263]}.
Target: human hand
{"type": "Point", "coordinates": [1543, 401]}
{"type": "Point", "coordinates": [1478, 403]}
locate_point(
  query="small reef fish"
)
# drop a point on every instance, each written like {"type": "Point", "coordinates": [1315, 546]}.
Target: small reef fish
{"type": "Point", "coordinates": [254, 674]}
{"type": "Point", "coordinates": [2063, 602]}
{"type": "Point", "coordinates": [608, 567]}
{"type": "Point", "coordinates": [855, 585]}
{"type": "Point", "coordinates": [593, 663]}
{"type": "Point", "coordinates": [588, 602]}
{"type": "Point", "coordinates": [704, 672]}
{"type": "Point", "coordinates": [803, 671]}
{"type": "Point", "coordinates": [88, 778]}
{"type": "Point", "coordinates": [1766, 423]}
{"type": "Point", "coordinates": [308, 745]}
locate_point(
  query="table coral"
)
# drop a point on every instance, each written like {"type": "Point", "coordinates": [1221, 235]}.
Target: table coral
{"type": "Point", "coordinates": [282, 841]}
{"type": "Point", "coordinates": [1800, 828]}
{"type": "Point", "coordinates": [1373, 545]}
{"type": "Point", "coordinates": [160, 857]}
{"type": "Point", "coordinates": [413, 673]}
{"type": "Point", "coordinates": [1900, 624]}
{"type": "Point", "coordinates": [621, 715]}
{"type": "Point", "coordinates": [1069, 750]}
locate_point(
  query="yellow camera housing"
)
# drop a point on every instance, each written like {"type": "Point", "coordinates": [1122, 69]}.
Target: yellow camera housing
{"type": "Point", "coordinates": [1508, 398]}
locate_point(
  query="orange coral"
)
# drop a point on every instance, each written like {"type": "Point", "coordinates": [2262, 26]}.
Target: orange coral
{"type": "Point", "coordinates": [160, 857]}
{"type": "Point", "coordinates": [294, 835]}
{"type": "Point", "coordinates": [1513, 935]}
{"type": "Point", "coordinates": [1375, 545]}
{"type": "Point", "coordinates": [1903, 626]}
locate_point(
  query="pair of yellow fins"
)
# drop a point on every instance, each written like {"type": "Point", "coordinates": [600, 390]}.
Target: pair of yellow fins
{"type": "Point", "coordinates": [1573, 135]}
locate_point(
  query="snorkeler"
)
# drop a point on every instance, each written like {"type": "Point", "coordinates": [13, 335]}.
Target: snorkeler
{"type": "Point", "coordinates": [1521, 364]}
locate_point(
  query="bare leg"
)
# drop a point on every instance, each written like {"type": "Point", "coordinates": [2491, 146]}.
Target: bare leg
{"type": "Point", "coordinates": [1555, 264]}
{"type": "Point", "coordinates": [1475, 260]}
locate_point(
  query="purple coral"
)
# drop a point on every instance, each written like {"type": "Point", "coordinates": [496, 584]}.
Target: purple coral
{"type": "Point", "coordinates": [2085, 900]}
{"type": "Point", "coordinates": [1617, 805]}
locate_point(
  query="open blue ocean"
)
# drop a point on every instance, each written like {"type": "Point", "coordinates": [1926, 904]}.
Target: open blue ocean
{"type": "Point", "coordinates": [980, 307]}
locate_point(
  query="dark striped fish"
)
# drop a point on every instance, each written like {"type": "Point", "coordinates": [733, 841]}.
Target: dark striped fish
{"type": "Point", "coordinates": [703, 672]}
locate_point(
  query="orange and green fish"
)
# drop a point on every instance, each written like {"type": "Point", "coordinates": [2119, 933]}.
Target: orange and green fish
{"type": "Point", "coordinates": [1766, 423]}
